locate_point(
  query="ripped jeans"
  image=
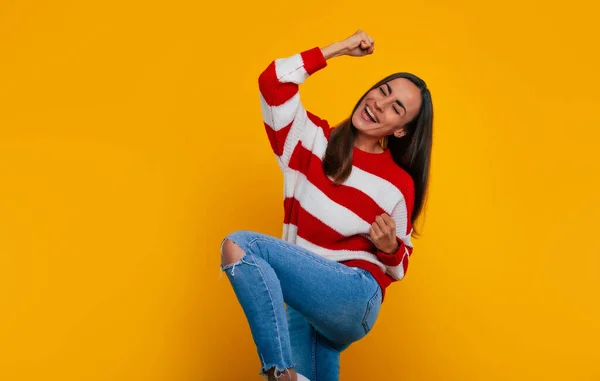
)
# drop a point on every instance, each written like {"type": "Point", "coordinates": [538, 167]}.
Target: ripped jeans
{"type": "Point", "coordinates": [329, 305]}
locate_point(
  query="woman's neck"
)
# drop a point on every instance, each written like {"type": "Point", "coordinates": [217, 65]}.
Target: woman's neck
{"type": "Point", "coordinates": [368, 144]}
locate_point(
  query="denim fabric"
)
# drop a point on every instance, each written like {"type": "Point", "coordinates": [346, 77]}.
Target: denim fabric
{"type": "Point", "coordinates": [329, 305]}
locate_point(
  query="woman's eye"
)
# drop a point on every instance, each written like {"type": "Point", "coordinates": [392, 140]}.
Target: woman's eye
{"type": "Point", "coordinates": [395, 109]}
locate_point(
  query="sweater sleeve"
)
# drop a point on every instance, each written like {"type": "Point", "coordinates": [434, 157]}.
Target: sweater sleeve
{"type": "Point", "coordinates": [397, 263]}
{"type": "Point", "coordinates": [286, 121]}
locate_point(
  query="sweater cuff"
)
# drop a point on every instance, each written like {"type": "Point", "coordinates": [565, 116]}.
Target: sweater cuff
{"type": "Point", "coordinates": [394, 258]}
{"type": "Point", "coordinates": [313, 60]}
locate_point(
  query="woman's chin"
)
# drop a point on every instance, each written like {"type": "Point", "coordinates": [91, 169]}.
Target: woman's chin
{"type": "Point", "coordinates": [362, 125]}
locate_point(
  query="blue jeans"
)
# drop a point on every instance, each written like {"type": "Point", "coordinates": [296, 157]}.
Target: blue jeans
{"type": "Point", "coordinates": [329, 305]}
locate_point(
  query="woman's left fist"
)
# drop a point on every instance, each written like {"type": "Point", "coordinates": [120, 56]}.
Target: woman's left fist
{"type": "Point", "coordinates": [383, 233]}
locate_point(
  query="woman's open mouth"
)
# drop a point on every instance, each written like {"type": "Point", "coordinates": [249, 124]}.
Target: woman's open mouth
{"type": "Point", "coordinates": [368, 115]}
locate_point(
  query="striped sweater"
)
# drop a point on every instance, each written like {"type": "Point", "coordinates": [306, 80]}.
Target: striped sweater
{"type": "Point", "coordinates": [329, 220]}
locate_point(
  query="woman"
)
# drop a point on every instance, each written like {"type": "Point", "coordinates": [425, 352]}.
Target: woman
{"type": "Point", "coordinates": [350, 204]}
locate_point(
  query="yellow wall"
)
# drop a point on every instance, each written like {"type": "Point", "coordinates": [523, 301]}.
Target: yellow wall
{"type": "Point", "coordinates": [131, 143]}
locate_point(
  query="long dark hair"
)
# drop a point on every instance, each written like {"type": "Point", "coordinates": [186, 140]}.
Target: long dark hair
{"type": "Point", "coordinates": [412, 152]}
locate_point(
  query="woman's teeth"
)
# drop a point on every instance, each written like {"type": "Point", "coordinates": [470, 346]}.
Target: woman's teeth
{"type": "Point", "coordinates": [370, 113]}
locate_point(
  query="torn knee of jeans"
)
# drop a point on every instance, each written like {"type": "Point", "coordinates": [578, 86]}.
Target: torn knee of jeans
{"type": "Point", "coordinates": [225, 267]}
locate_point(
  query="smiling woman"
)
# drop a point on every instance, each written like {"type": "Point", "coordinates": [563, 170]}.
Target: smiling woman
{"type": "Point", "coordinates": [395, 114]}
{"type": "Point", "coordinates": [349, 207]}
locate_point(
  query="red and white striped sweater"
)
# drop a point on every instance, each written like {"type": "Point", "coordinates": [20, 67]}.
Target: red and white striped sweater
{"type": "Point", "coordinates": [332, 221]}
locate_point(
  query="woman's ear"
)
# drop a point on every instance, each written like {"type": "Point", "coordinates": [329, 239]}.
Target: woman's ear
{"type": "Point", "coordinates": [400, 133]}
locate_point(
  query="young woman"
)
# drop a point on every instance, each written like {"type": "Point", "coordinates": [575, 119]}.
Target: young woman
{"type": "Point", "coordinates": [352, 195]}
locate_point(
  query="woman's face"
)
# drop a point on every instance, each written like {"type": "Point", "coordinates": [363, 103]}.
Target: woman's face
{"type": "Point", "coordinates": [385, 110]}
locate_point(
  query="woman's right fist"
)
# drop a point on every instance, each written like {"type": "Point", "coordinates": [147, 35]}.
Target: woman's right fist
{"type": "Point", "coordinates": [359, 44]}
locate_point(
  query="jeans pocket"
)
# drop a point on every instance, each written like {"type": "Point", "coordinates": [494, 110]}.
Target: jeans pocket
{"type": "Point", "coordinates": [373, 306]}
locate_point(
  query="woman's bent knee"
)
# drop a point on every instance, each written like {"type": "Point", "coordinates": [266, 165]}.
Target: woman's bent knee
{"type": "Point", "coordinates": [230, 252]}
{"type": "Point", "coordinates": [235, 245]}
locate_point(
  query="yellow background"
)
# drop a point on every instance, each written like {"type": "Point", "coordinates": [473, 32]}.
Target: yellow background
{"type": "Point", "coordinates": [131, 143]}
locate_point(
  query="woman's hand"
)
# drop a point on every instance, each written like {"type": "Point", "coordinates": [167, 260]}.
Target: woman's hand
{"type": "Point", "coordinates": [358, 45]}
{"type": "Point", "coordinates": [383, 234]}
